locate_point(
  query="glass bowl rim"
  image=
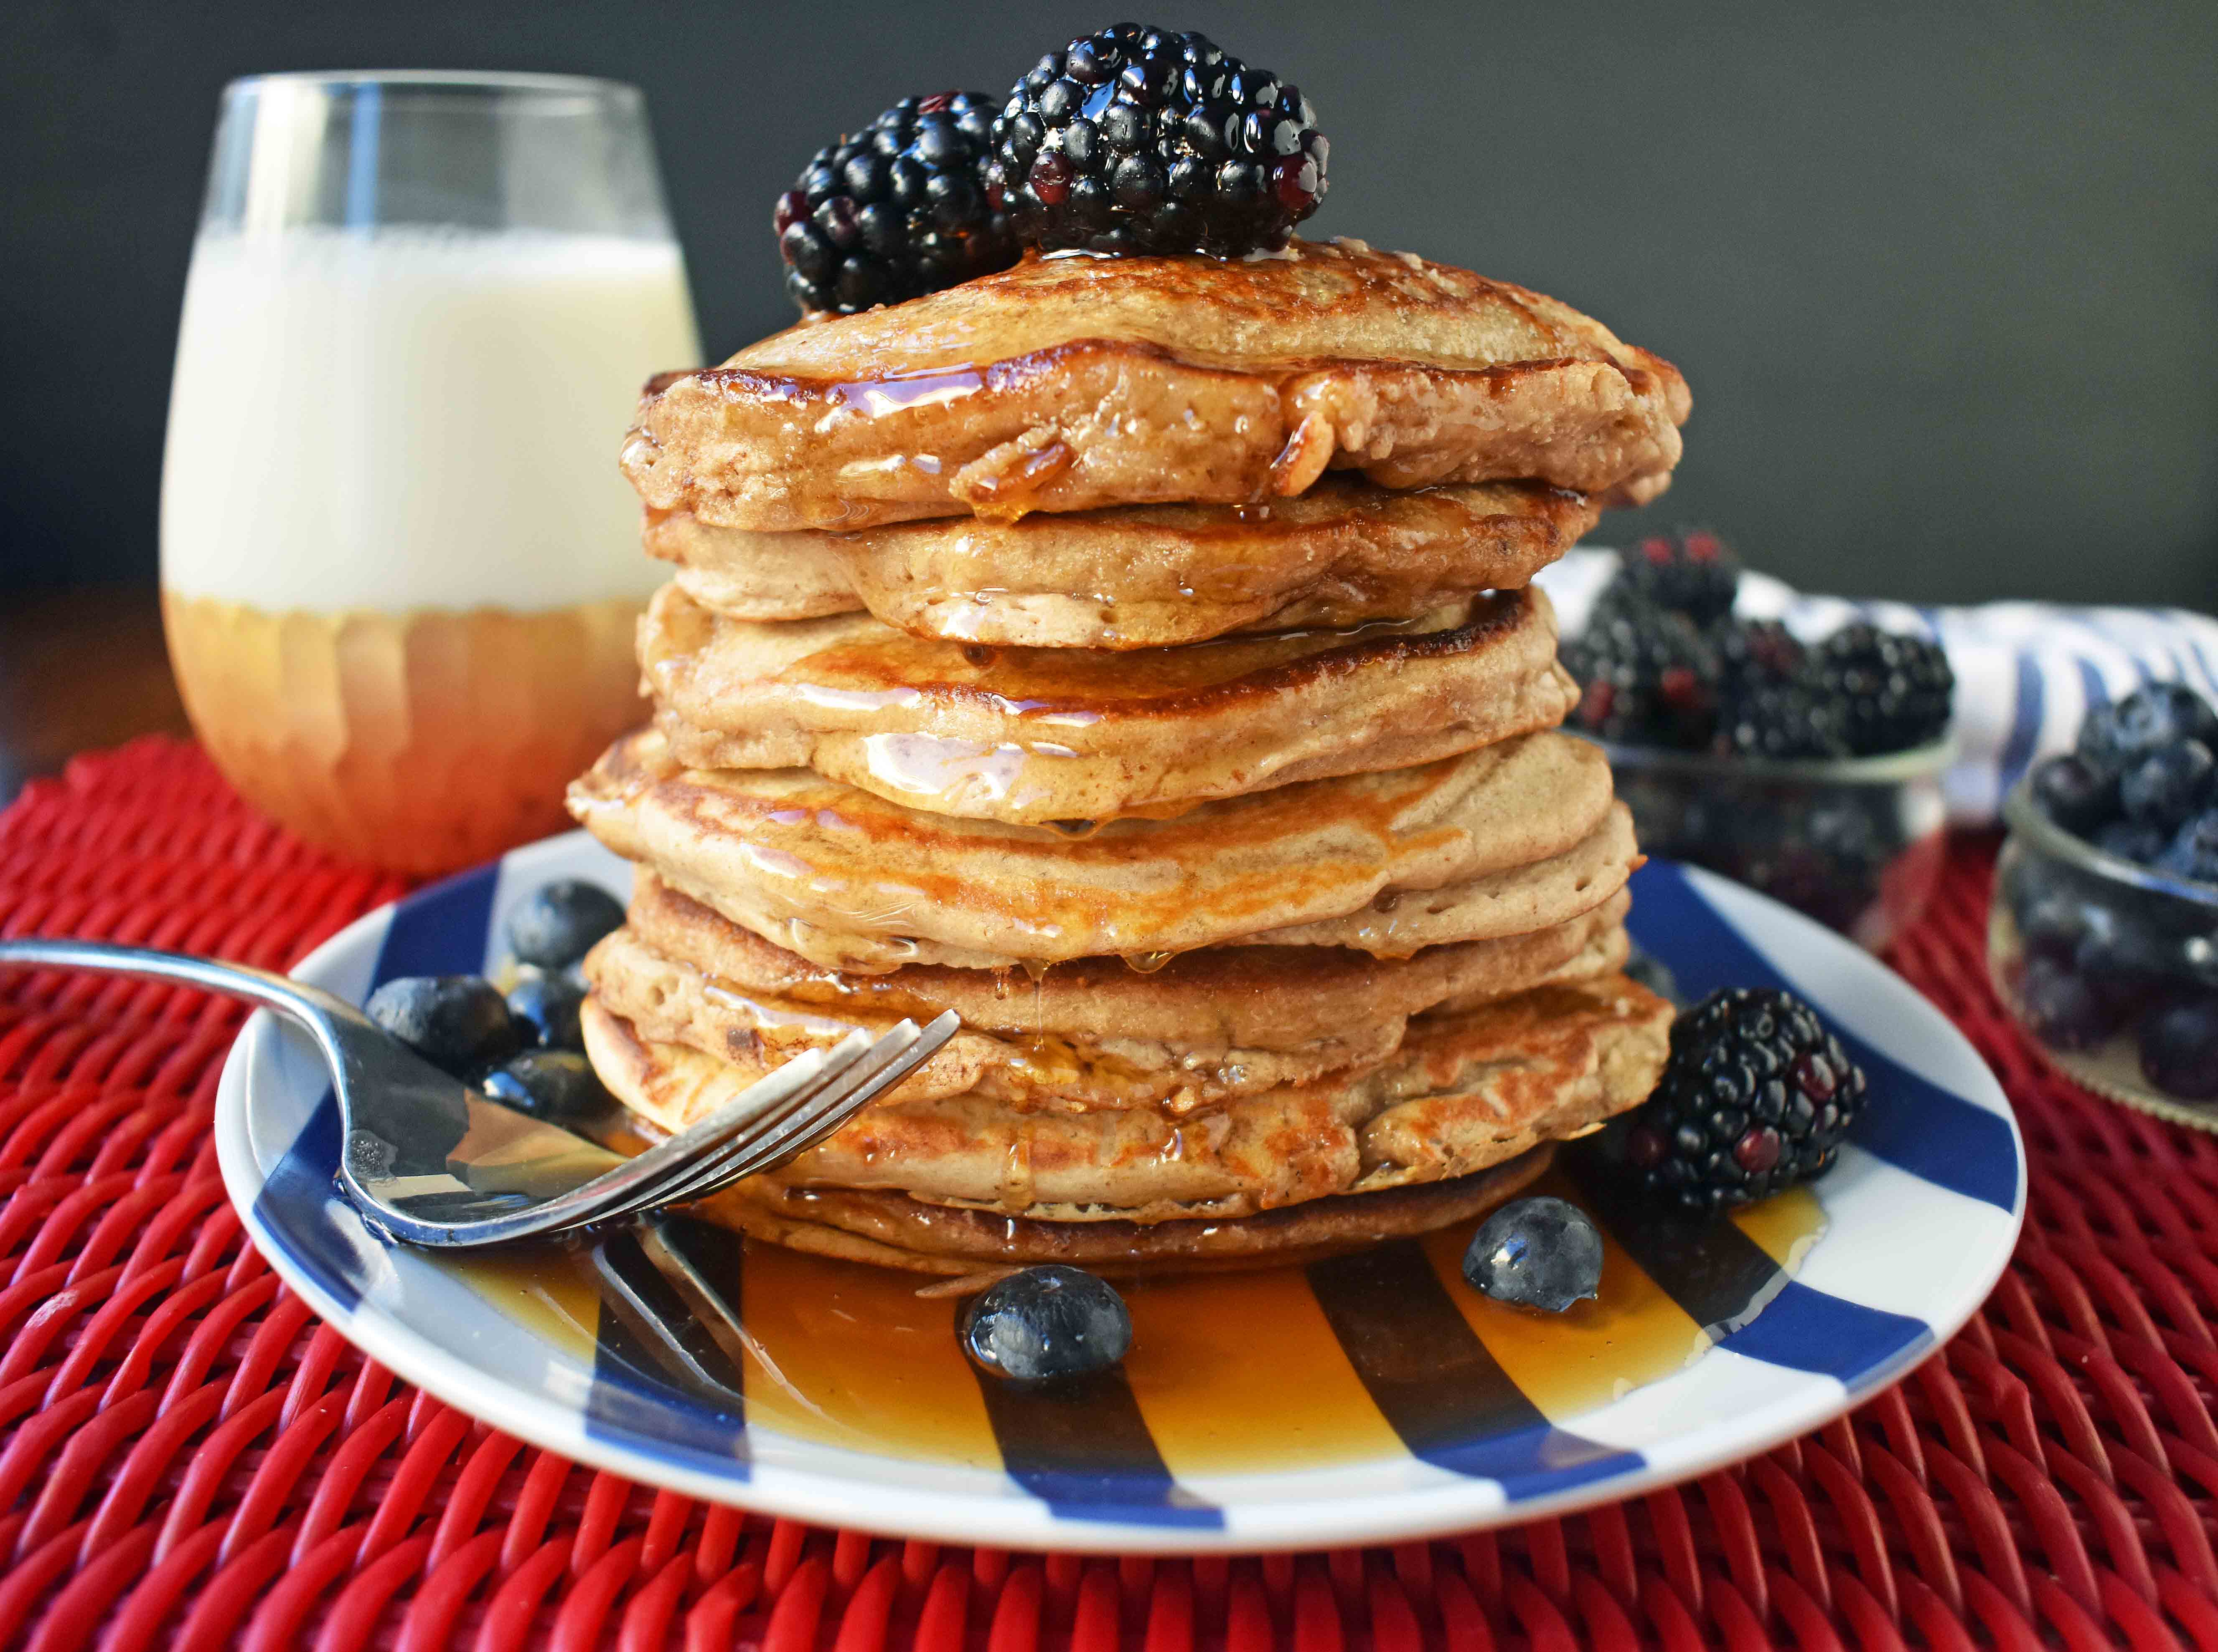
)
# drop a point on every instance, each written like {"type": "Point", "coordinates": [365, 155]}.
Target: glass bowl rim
{"type": "Point", "coordinates": [457, 80]}
{"type": "Point", "coordinates": [1888, 768]}
{"type": "Point", "coordinates": [2023, 817]}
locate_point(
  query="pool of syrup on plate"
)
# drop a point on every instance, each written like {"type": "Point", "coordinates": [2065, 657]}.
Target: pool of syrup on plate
{"type": "Point", "coordinates": [1232, 1373]}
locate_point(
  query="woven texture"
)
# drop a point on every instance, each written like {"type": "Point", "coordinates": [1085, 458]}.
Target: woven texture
{"type": "Point", "coordinates": [190, 1459]}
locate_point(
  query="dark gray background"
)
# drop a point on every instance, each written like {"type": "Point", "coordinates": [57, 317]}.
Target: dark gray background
{"type": "Point", "coordinates": [1944, 277]}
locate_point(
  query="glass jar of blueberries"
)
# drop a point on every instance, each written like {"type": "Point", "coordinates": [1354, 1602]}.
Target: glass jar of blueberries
{"type": "Point", "coordinates": [1854, 843]}
{"type": "Point", "coordinates": [2103, 938]}
{"type": "Point", "coordinates": [1810, 770]}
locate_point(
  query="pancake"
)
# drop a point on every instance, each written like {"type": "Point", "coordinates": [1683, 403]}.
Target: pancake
{"type": "Point", "coordinates": [1467, 1090]}
{"type": "Point", "coordinates": [1343, 553]}
{"type": "Point", "coordinates": [1107, 1037]}
{"type": "Point", "coordinates": [895, 1231]}
{"type": "Point", "coordinates": [1075, 382]}
{"type": "Point", "coordinates": [1039, 735]}
{"type": "Point", "coordinates": [1503, 840]}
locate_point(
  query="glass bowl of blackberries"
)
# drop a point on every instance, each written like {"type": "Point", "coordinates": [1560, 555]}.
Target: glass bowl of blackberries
{"type": "Point", "coordinates": [2103, 935]}
{"type": "Point", "coordinates": [1808, 768]}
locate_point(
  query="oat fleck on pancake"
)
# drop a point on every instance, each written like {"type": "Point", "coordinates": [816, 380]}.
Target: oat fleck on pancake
{"type": "Point", "coordinates": [1344, 553]}
{"type": "Point", "coordinates": [1069, 384]}
{"type": "Point", "coordinates": [1039, 735]}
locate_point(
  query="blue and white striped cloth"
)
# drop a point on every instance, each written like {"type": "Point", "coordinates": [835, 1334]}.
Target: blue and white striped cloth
{"type": "Point", "coordinates": [2026, 672]}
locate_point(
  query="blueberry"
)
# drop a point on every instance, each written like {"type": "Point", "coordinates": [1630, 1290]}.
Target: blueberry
{"type": "Point", "coordinates": [546, 1007]}
{"type": "Point", "coordinates": [2052, 925]}
{"type": "Point", "coordinates": [561, 921]}
{"type": "Point", "coordinates": [1652, 972]}
{"type": "Point", "coordinates": [2075, 793]}
{"type": "Point", "coordinates": [559, 1085]}
{"type": "Point", "coordinates": [2179, 1049]}
{"type": "Point", "coordinates": [459, 1023]}
{"type": "Point", "coordinates": [1047, 1322]}
{"type": "Point", "coordinates": [2062, 1007]}
{"type": "Point", "coordinates": [1536, 1252]}
{"type": "Point", "coordinates": [2193, 853]}
{"type": "Point", "coordinates": [2167, 785]}
{"type": "Point", "coordinates": [2114, 737]}
{"type": "Point", "coordinates": [2132, 840]}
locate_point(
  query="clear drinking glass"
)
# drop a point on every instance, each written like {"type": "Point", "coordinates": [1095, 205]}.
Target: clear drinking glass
{"type": "Point", "coordinates": [400, 570]}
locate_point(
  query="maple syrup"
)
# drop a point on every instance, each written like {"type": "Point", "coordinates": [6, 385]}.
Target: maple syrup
{"type": "Point", "coordinates": [1232, 1372]}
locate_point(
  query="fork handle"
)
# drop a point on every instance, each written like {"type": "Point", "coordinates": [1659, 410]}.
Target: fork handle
{"type": "Point", "coordinates": [289, 997]}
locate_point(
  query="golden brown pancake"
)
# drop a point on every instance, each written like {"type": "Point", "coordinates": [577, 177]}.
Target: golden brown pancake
{"type": "Point", "coordinates": [1344, 553]}
{"type": "Point", "coordinates": [1078, 383]}
{"type": "Point", "coordinates": [1221, 1021]}
{"type": "Point", "coordinates": [893, 1230]}
{"type": "Point", "coordinates": [1503, 840]}
{"type": "Point", "coordinates": [1468, 1089]}
{"type": "Point", "coordinates": [1039, 735]}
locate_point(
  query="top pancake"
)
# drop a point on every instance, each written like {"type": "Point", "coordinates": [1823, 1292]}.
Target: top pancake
{"type": "Point", "coordinates": [1075, 382]}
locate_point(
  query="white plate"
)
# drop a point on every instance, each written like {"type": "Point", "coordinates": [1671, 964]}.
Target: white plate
{"type": "Point", "coordinates": [1365, 1400]}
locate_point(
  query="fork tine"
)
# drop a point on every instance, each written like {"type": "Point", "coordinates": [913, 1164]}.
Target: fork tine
{"type": "Point", "coordinates": [829, 1113]}
{"type": "Point", "coordinates": [769, 1098]}
{"type": "Point", "coordinates": [677, 1186]}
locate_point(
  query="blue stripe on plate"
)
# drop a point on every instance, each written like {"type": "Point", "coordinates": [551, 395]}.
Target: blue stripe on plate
{"type": "Point", "coordinates": [1908, 1120]}
{"type": "Point", "coordinates": [2025, 724]}
{"type": "Point", "coordinates": [1532, 1461]}
{"type": "Point", "coordinates": [1119, 1501]}
{"type": "Point", "coordinates": [1809, 1330]}
{"type": "Point", "coordinates": [1086, 1452]}
{"type": "Point", "coordinates": [2202, 660]}
{"type": "Point", "coordinates": [438, 930]}
{"type": "Point", "coordinates": [2092, 688]}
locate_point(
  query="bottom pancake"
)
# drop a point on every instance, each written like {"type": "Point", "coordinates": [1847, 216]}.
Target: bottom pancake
{"type": "Point", "coordinates": [893, 1230]}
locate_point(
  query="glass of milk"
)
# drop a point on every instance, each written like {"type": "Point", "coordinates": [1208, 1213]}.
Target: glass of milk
{"type": "Point", "coordinates": [400, 569]}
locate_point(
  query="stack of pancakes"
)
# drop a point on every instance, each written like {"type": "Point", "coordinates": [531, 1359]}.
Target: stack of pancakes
{"type": "Point", "coordinates": [1138, 657]}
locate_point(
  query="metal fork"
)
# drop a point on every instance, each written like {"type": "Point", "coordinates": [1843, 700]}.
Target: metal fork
{"type": "Point", "coordinates": [433, 1162]}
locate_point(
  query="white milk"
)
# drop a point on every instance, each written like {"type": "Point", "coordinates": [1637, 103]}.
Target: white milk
{"type": "Point", "coordinates": [410, 418]}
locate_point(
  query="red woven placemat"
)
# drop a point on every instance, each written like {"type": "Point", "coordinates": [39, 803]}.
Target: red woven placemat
{"type": "Point", "coordinates": [189, 1458]}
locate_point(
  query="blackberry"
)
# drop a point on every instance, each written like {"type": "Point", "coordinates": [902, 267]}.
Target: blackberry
{"type": "Point", "coordinates": [1136, 139]}
{"type": "Point", "coordinates": [1755, 1097]}
{"type": "Point", "coordinates": [1781, 722]}
{"type": "Point", "coordinates": [1693, 574]}
{"type": "Point", "coordinates": [1646, 676]}
{"type": "Point", "coordinates": [1894, 690]}
{"type": "Point", "coordinates": [898, 209]}
{"type": "Point", "coordinates": [1755, 654]}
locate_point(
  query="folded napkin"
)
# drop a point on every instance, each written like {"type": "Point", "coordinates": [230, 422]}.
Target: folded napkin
{"type": "Point", "coordinates": [2026, 672]}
